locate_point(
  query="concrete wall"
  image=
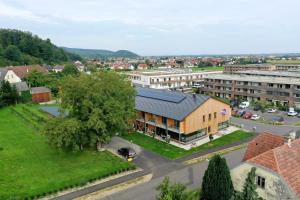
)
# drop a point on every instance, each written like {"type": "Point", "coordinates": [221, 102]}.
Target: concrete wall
{"type": "Point", "coordinates": [275, 188]}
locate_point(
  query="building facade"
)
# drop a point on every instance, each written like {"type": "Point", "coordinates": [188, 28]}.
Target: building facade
{"type": "Point", "coordinates": [40, 94]}
{"type": "Point", "coordinates": [183, 117]}
{"type": "Point", "coordinates": [257, 67]}
{"type": "Point", "coordinates": [168, 79]}
{"type": "Point", "coordinates": [283, 90]}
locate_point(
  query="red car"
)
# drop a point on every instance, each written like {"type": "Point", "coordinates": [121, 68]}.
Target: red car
{"type": "Point", "coordinates": [247, 115]}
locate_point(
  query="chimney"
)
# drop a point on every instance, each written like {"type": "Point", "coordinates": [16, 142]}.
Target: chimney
{"type": "Point", "coordinates": [289, 143]}
{"type": "Point", "coordinates": [27, 70]}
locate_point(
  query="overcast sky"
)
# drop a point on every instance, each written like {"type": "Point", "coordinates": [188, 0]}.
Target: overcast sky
{"type": "Point", "coordinates": [161, 27]}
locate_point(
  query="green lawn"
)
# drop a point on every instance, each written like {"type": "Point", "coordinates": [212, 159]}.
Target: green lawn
{"type": "Point", "coordinates": [173, 152]}
{"type": "Point", "coordinates": [213, 68]}
{"type": "Point", "coordinates": [29, 166]}
{"type": "Point", "coordinates": [295, 62]}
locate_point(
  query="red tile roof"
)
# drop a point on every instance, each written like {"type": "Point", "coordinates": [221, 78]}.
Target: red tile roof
{"type": "Point", "coordinates": [22, 71]}
{"type": "Point", "coordinates": [262, 143]}
{"type": "Point", "coordinates": [285, 161]}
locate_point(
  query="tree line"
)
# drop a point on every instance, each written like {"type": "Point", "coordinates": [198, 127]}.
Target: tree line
{"type": "Point", "coordinates": [24, 48]}
{"type": "Point", "coordinates": [8, 94]}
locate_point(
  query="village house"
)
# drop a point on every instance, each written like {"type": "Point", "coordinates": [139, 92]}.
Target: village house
{"type": "Point", "coordinates": [182, 117]}
{"type": "Point", "coordinates": [277, 167]}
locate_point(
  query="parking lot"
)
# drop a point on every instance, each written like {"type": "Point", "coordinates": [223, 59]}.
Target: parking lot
{"type": "Point", "coordinates": [269, 117]}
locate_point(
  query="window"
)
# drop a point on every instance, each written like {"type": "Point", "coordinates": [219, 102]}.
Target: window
{"type": "Point", "coordinates": [208, 129]}
{"type": "Point", "coordinates": [215, 115]}
{"type": "Point", "coordinates": [164, 120]}
{"type": "Point", "coordinates": [203, 118]}
{"type": "Point", "coordinates": [209, 117]}
{"type": "Point", "coordinates": [177, 124]}
{"type": "Point", "coordinates": [261, 182]}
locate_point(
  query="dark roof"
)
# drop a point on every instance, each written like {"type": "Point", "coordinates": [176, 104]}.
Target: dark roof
{"type": "Point", "coordinates": [3, 72]}
{"type": "Point", "coordinates": [21, 86]}
{"type": "Point", "coordinates": [36, 90]}
{"type": "Point", "coordinates": [174, 105]}
{"type": "Point", "coordinates": [54, 111]}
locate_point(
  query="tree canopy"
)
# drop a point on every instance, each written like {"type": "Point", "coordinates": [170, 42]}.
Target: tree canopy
{"type": "Point", "coordinates": [23, 48]}
{"type": "Point", "coordinates": [8, 94]}
{"type": "Point", "coordinates": [175, 191]}
{"type": "Point", "coordinates": [102, 104]}
{"type": "Point", "coordinates": [217, 184]}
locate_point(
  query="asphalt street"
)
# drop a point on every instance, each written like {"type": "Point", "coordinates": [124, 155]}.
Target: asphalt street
{"type": "Point", "coordinates": [191, 176]}
{"type": "Point", "coordinates": [260, 127]}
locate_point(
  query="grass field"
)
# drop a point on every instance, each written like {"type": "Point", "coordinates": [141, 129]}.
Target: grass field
{"type": "Point", "coordinates": [295, 62]}
{"type": "Point", "coordinates": [214, 68]}
{"type": "Point", "coordinates": [173, 152]}
{"type": "Point", "coordinates": [29, 166]}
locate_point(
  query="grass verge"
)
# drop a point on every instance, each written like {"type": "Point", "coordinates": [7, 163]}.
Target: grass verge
{"type": "Point", "coordinates": [30, 168]}
{"type": "Point", "coordinates": [173, 152]}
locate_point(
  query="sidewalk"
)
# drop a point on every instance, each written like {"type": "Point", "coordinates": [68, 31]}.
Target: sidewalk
{"type": "Point", "coordinates": [107, 184]}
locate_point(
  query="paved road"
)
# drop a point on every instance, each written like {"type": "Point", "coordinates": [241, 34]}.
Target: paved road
{"type": "Point", "coordinates": [189, 175]}
{"type": "Point", "coordinates": [260, 127]}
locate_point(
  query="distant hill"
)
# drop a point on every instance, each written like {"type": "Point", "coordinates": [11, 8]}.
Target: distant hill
{"type": "Point", "coordinates": [99, 53]}
{"type": "Point", "coordinates": [24, 48]}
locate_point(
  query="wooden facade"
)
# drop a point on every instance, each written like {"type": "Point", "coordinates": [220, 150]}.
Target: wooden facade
{"type": "Point", "coordinates": [41, 97]}
{"type": "Point", "coordinates": [207, 119]}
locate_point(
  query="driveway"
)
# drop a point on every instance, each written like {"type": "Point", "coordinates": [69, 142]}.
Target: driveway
{"type": "Point", "coordinates": [145, 159]}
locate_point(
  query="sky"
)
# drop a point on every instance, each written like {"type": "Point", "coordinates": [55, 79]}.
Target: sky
{"type": "Point", "coordinates": [161, 27]}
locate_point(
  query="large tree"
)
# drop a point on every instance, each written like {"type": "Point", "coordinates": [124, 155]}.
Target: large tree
{"type": "Point", "coordinates": [70, 69]}
{"type": "Point", "coordinates": [8, 94]}
{"type": "Point", "coordinates": [36, 79]}
{"type": "Point", "coordinates": [217, 184]}
{"type": "Point", "coordinates": [102, 103]}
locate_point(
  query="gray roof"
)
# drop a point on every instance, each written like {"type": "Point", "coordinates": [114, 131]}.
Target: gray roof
{"type": "Point", "coordinates": [21, 86]}
{"type": "Point", "coordinates": [174, 105]}
{"type": "Point", "coordinates": [3, 72]}
{"type": "Point", "coordinates": [36, 90]}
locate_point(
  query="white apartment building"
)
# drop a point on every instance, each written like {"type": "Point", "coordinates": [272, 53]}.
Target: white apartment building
{"type": "Point", "coordinates": [167, 79]}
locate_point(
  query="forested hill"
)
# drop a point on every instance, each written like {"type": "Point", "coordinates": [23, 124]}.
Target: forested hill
{"type": "Point", "coordinates": [99, 53]}
{"type": "Point", "coordinates": [24, 48]}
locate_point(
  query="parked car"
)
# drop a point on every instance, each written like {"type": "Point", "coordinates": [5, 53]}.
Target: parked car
{"type": "Point", "coordinates": [292, 112]}
{"type": "Point", "coordinates": [234, 103]}
{"type": "Point", "coordinates": [244, 104]}
{"type": "Point", "coordinates": [234, 112]}
{"type": "Point", "coordinates": [255, 117]}
{"type": "Point", "coordinates": [272, 110]}
{"type": "Point", "coordinates": [127, 152]}
{"type": "Point", "coordinates": [277, 119]}
{"type": "Point", "coordinates": [241, 113]}
{"type": "Point", "coordinates": [247, 115]}
{"type": "Point", "coordinates": [257, 107]}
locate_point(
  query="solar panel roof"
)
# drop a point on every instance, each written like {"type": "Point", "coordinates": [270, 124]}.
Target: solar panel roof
{"type": "Point", "coordinates": [161, 95]}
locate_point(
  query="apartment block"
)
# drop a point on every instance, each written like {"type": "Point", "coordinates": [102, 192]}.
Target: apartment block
{"type": "Point", "coordinates": [257, 67]}
{"type": "Point", "coordinates": [284, 90]}
{"type": "Point", "coordinates": [167, 79]}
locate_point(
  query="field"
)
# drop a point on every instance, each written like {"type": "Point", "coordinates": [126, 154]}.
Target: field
{"type": "Point", "coordinates": [30, 167]}
{"type": "Point", "coordinates": [173, 152]}
{"type": "Point", "coordinates": [290, 62]}
{"type": "Point", "coordinates": [204, 69]}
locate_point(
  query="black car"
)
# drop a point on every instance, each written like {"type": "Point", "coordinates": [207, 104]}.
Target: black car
{"type": "Point", "coordinates": [257, 107]}
{"type": "Point", "coordinates": [127, 152]}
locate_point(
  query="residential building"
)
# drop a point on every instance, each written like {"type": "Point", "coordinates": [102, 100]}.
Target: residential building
{"type": "Point", "coordinates": [287, 67]}
{"type": "Point", "coordinates": [294, 74]}
{"type": "Point", "coordinates": [283, 90]}
{"type": "Point", "coordinates": [166, 79]}
{"type": "Point", "coordinates": [236, 68]}
{"type": "Point", "coordinates": [183, 117]}
{"type": "Point", "coordinates": [21, 87]}
{"type": "Point", "coordinates": [277, 167]}
{"type": "Point", "coordinates": [18, 73]}
{"type": "Point", "coordinates": [40, 94]}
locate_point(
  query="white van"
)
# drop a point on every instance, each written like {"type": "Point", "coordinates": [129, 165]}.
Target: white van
{"type": "Point", "coordinates": [244, 104]}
